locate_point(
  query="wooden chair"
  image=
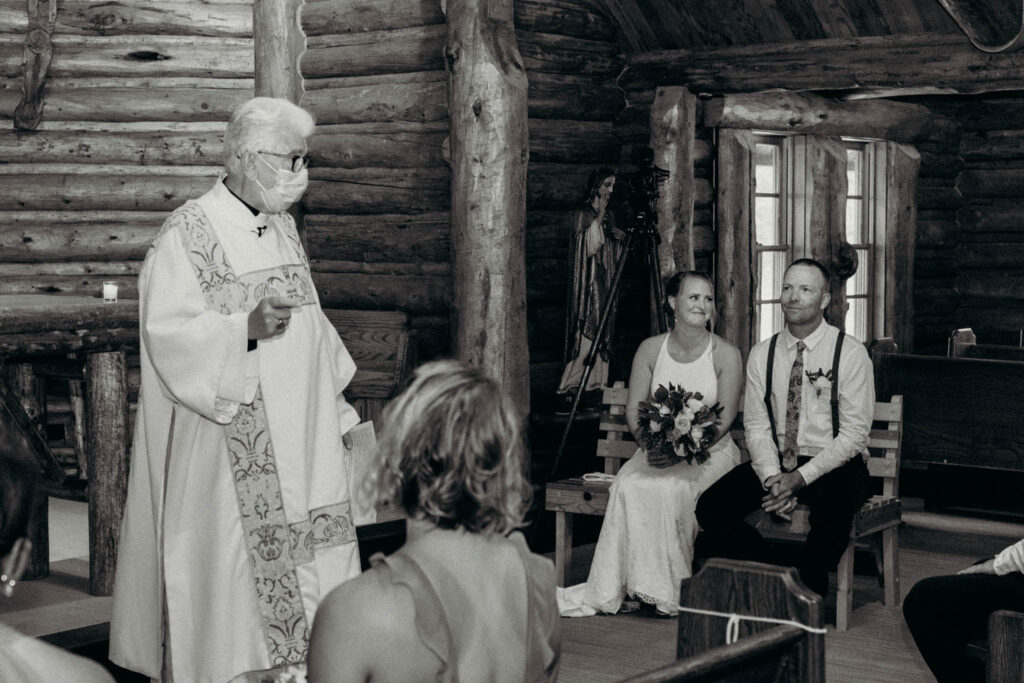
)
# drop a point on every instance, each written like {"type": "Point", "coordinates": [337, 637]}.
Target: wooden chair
{"type": "Point", "coordinates": [876, 523]}
{"type": "Point", "coordinates": [764, 651]}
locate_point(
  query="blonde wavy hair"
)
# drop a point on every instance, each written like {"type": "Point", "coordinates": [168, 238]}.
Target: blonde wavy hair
{"type": "Point", "coordinates": [451, 452]}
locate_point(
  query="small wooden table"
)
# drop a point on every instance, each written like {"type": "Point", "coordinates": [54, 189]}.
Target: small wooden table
{"type": "Point", "coordinates": [37, 327]}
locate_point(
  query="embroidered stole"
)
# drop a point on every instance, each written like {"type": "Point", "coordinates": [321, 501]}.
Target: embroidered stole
{"type": "Point", "coordinates": [274, 546]}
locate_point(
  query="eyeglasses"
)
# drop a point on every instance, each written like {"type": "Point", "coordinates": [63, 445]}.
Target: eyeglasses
{"type": "Point", "coordinates": [299, 162]}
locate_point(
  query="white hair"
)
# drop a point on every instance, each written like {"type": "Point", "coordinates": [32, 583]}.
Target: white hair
{"type": "Point", "coordinates": [260, 119]}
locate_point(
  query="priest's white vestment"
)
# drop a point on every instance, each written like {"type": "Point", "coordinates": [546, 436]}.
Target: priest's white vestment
{"type": "Point", "coordinates": [238, 518]}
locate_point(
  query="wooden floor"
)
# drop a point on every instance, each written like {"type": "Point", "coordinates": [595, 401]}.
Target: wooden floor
{"type": "Point", "coordinates": [609, 648]}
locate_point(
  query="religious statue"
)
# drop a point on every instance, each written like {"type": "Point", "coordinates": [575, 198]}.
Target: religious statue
{"type": "Point", "coordinates": [593, 253]}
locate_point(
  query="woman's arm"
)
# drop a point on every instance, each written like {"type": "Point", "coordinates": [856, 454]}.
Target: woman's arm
{"type": "Point", "coordinates": [640, 381]}
{"type": "Point", "coordinates": [365, 630]}
{"type": "Point", "coordinates": [729, 370]}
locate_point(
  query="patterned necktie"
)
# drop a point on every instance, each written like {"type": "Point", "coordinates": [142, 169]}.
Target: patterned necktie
{"type": "Point", "coordinates": [796, 381]}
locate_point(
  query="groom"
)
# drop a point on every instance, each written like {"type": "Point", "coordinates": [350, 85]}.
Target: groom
{"type": "Point", "coordinates": [807, 413]}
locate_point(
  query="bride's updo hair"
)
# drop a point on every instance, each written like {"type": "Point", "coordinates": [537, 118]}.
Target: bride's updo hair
{"type": "Point", "coordinates": [675, 284]}
{"type": "Point", "coordinates": [451, 451]}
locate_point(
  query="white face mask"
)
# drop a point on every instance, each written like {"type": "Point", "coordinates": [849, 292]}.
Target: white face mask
{"type": "Point", "coordinates": [288, 190]}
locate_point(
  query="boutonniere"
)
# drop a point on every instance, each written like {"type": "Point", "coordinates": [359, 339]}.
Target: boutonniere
{"type": "Point", "coordinates": [820, 379]}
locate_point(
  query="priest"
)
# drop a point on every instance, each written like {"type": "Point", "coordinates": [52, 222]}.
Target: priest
{"type": "Point", "coordinates": [239, 515]}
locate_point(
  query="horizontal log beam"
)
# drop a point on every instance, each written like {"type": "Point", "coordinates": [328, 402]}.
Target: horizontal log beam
{"type": "Point", "coordinates": [414, 294]}
{"type": "Point", "coordinates": [41, 191]}
{"type": "Point", "coordinates": [994, 145]}
{"type": "Point", "coordinates": [371, 53]}
{"type": "Point", "coordinates": [351, 16]}
{"type": "Point", "coordinates": [811, 114]}
{"type": "Point", "coordinates": [990, 255]}
{"type": "Point", "coordinates": [394, 237]}
{"type": "Point", "coordinates": [1002, 183]}
{"type": "Point", "coordinates": [996, 217]}
{"type": "Point", "coordinates": [142, 148]}
{"type": "Point", "coordinates": [168, 17]}
{"type": "Point", "coordinates": [358, 149]}
{"type": "Point", "coordinates": [377, 190]}
{"type": "Point", "coordinates": [118, 104]}
{"type": "Point", "coordinates": [548, 53]}
{"type": "Point", "coordinates": [397, 99]}
{"type": "Point", "coordinates": [60, 343]}
{"type": "Point", "coordinates": [568, 96]}
{"type": "Point", "coordinates": [32, 314]}
{"type": "Point", "coordinates": [82, 285]}
{"type": "Point", "coordinates": [910, 63]}
{"type": "Point", "coordinates": [592, 142]}
{"type": "Point", "coordinates": [80, 56]}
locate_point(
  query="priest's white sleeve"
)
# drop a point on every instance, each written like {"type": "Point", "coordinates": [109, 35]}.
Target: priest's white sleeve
{"type": "Point", "coordinates": [199, 355]}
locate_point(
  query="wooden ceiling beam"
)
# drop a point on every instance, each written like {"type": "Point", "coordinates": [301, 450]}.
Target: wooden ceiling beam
{"type": "Point", "coordinates": [810, 114]}
{"type": "Point", "coordinates": [937, 63]}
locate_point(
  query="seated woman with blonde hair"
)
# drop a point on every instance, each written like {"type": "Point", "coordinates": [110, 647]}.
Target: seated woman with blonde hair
{"type": "Point", "coordinates": [464, 598]}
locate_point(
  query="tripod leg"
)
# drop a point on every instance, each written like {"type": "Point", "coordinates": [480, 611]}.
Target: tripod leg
{"type": "Point", "coordinates": [595, 348]}
{"type": "Point", "coordinates": [657, 290]}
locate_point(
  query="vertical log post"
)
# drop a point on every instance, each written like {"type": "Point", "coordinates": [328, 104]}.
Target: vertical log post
{"type": "Point", "coordinates": [901, 169]}
{"type": "Point", "coordinates": [821, 192]}
{"type": "Point", "coordinates": [31, 393]}
{"type": "Point", "coordinates": [489, 154]}
{"type": "Point", "coordinates": [734, 215]}
{"type": "Point", "coordinates": [672, 139]}
{"type": "Point", "coordinates": [106, 382]}
{"type": "Point", "coordinates": [279, 42]}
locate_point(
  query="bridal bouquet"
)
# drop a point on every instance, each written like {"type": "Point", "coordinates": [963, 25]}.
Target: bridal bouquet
{"type": "Point", "coordinates": [677, 425]}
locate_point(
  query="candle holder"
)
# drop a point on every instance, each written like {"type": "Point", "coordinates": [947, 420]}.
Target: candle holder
{"type": "Point", "coordinates": [109, 292]}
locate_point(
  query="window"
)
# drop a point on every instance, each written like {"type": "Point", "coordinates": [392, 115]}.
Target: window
{"type": "Point", "coordinates": [772, 237]}
{"type": "Point", "coordinates": [776, 208]}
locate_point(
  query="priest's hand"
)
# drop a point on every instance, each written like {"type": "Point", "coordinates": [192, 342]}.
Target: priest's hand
{"type": "Point", "coordinates": [270, 317]}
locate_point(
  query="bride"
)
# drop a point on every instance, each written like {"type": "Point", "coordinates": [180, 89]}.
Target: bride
{"type": "Point", "coordinates": [646, 544]}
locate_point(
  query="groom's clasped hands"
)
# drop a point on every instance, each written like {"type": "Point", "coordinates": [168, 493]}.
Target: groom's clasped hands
{"type": "Point", "coordinates": [781, 489]}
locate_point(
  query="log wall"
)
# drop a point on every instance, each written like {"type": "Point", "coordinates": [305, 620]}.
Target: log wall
{"type": "Point", "coordinates": [989, 256]}
{"type": "Point", "coordinates": [377, 211]}
{"type": "Point", "coordinates": [135, 102]}
{"type": "Point", "coordinates": [134, 105]}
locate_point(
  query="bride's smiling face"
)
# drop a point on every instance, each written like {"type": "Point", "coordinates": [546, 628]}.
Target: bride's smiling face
{"type": "Point", "coordinates": [694, 303]}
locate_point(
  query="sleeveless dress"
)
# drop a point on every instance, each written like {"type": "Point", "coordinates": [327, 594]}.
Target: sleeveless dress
{"type": "Point", "coordinates": [646, 544]}
{"type": "Point", "coordinates": [484, 604]}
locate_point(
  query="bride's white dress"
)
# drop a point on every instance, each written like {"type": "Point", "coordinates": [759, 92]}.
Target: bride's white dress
{"type": "Point", "coordinates": [646, 544]}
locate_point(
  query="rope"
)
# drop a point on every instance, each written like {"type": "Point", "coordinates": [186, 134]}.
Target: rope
{"type": "Point", "coordinates": [598, 476]}
{"type": "Point", "coordinates": [732, 626]}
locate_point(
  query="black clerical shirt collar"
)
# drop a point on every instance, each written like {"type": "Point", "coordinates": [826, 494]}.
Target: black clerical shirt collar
{"type": "Point", "coordinates": [260, 229]}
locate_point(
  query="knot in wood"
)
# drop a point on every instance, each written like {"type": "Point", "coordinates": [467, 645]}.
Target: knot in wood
{"type": "Point", "coordinates": [451, 55]}
{"type": "Point", "coordinates": [477, 107]}
{"type": "Point", "coordinates": [146, 56]}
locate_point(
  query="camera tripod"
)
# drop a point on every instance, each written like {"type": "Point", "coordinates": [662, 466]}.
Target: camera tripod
{"type": "Point", "coordinates": [644, 238]}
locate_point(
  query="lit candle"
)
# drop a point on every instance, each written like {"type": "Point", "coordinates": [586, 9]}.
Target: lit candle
{"type": "Point", "coordinates": [109, 291]}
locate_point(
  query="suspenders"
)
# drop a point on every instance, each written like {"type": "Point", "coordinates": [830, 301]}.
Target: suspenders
{"type": "Point", "coordinates": [834, 400]}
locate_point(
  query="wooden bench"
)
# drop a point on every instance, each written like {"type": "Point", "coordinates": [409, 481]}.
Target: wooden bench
{"type": "Point", "coordinates": [876, 523]}
{"type": "Point", "coordinates": [764, 651]}
{"type": "Point", "coordinates": [1005, 662]}
{"type": "Point", "coordinates": [964, 344]}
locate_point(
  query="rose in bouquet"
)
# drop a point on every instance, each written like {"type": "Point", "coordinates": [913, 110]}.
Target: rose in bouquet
{"type": "Point", "coordinates": [677, 425]}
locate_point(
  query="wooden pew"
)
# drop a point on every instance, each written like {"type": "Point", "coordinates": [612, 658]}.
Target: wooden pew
{"type": "Point", "coordinates": [964, 344]}
{"type": "Point", "coordinates": [877, 522]}
{"type": "Point", "coordinates": [958, 411]}
{"type": "Point", "coordinates": [1005, 663]}
{"type": "Point", "coordinates": [764, 651]}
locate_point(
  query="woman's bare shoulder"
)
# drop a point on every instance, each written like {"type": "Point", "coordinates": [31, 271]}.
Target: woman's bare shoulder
{"type": "Point", "coordinates": [725, 350]}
